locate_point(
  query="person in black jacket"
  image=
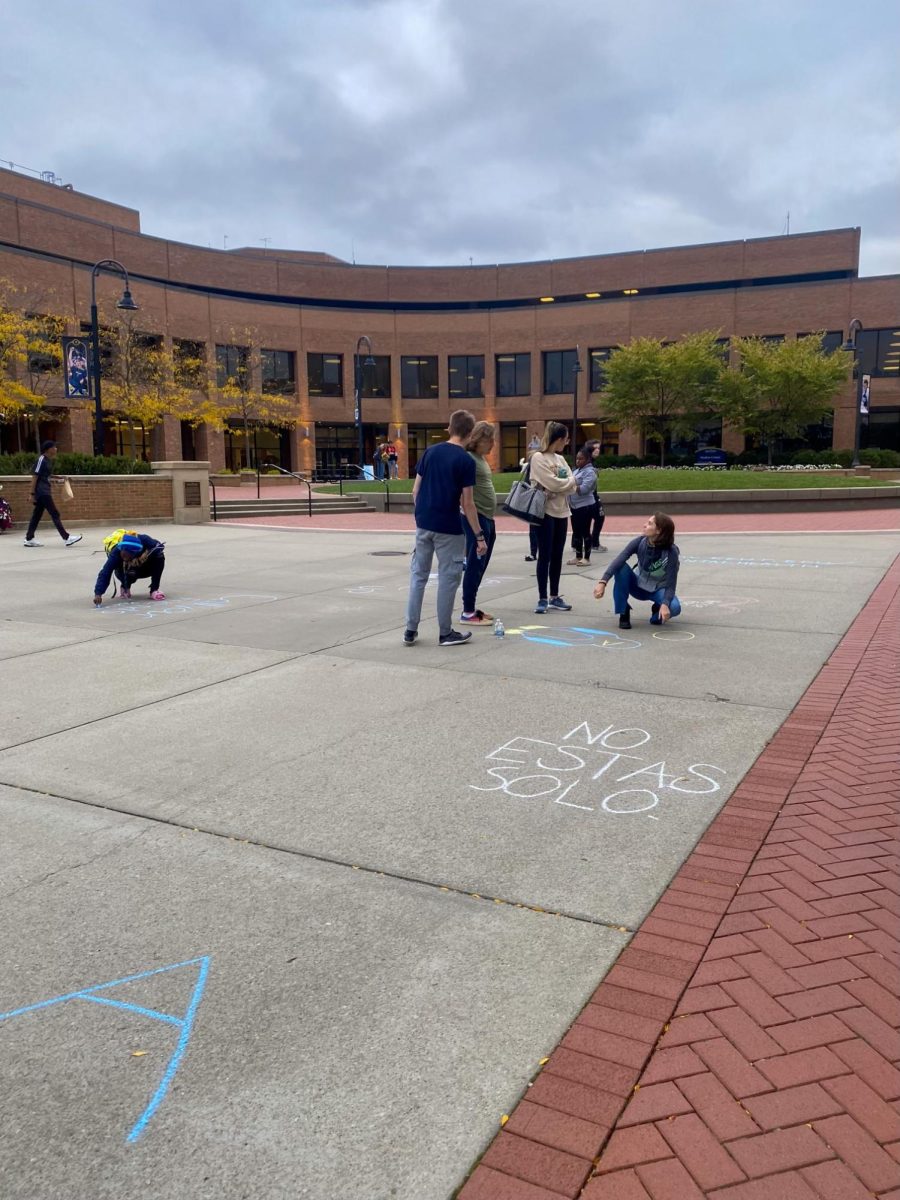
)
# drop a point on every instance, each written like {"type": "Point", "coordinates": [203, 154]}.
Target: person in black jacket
{"type": "Point", "coordinates": [137, 556]}
{"type": "Point", "coordinates": [42, 495]}
{"type": "Point", "coordinates": [656, 576]}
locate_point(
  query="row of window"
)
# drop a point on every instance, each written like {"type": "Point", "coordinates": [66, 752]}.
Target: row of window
{"type": "Point", "coordinates": [878, 352]}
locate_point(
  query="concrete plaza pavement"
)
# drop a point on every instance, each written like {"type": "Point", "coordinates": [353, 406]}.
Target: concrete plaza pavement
{"type": "Point", "coordinates": [407, 868]}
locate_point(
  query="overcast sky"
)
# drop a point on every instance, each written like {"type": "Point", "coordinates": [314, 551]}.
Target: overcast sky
{"type": "Point", "coordinates": [435, 131]}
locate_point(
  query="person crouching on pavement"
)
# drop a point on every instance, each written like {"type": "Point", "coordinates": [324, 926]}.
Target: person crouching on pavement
{"type": "Point", "coordinates": [137, 556]}
{"type": "Point", "coordinates": [656, 576]}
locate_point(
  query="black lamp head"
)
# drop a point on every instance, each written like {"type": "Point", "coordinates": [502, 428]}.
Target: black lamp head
{"type": "Point", "coordinates": [127, 303]}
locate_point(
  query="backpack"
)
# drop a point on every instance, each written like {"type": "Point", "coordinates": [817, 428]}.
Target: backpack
{"type": "Point", "coordinates": [110, 542]}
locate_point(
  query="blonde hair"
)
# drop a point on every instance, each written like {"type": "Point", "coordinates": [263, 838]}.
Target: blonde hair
{"type": "Point", "coordinates": [552, 433]}
{"type": "Point", "coordinates": [482, 432]}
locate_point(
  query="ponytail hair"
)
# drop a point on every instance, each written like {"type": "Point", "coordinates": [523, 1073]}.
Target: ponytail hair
{"type": "Point", "coordinates": [553, 431]}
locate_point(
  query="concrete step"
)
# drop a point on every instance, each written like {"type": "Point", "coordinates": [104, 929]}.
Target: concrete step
{"type": "Point", "coordinates": [297, 507]}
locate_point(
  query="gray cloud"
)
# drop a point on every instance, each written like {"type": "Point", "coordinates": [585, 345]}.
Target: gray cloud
{"type": "Point", "coordinates": [431, 131]}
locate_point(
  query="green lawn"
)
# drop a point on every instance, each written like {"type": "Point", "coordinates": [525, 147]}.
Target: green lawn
{"type": "Point", "coordinates": [637, 479]}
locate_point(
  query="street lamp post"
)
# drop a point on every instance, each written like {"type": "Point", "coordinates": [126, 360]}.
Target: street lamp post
{"type": "Point", "coordinates": [126, 304]}
{"type": "Point", "coordinates": [576, 371]}
{"type": "Point", "coordinates": [358, 365]}
{"type": "Point", "coordinates": [851, 347]}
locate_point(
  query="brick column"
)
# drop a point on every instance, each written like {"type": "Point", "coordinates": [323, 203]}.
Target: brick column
{"type": "Point", "coordinates": [75, 433]}
{"type": "Point", "coordinates": [210, 445]}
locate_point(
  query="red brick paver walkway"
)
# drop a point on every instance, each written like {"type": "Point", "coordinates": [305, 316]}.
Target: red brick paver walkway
{"type": "Point", "coordinates": [745, 1045]}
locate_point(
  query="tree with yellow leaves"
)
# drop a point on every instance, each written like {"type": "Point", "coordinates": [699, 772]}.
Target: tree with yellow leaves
{"type": "Point", "coordinates": [240, 392]}
{"type": "Point", "coordinates": [30, 360]}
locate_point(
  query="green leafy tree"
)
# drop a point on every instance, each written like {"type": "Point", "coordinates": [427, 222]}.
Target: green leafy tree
{"type": "Point", "coordinates": [781, 387]}
{"type": "Point", "coordinates": [658, 388]}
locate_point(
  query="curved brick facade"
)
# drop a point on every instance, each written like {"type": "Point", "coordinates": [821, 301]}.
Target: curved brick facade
{"type": "Point", "coordinates": [309, 303]}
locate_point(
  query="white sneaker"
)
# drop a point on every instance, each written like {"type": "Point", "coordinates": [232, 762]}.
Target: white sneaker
{"type": "Point", "coordinates": [32, 542]}
{"type": "Point", "coordinates": [73, 538]}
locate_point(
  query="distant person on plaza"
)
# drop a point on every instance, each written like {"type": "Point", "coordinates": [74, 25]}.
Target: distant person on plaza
{"type": "Point", "coordinates": [445, 481]}
{"type": "Point", "coordinates": [378, 461]}
{"type": "Point", "coordinates": [582, 504]}
{"type": "Point", "coordinates": [42, 495]}
{"type": "Point", "coordinates": [136, 556]}
{"type": "Point", "coordinates": [480, 443]}
{"type": "Point", "coordinates": [656, 576]}
{"type": "Point", "coordinates": [390, 453]}
{"type": "Point", "coordinates": [550, 472]}
{"type": "Point", "coordinates": [599, 516]}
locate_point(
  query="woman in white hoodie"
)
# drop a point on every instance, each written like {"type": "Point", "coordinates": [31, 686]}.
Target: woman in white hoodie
{"type": "Point", "coordinates": [551, 473]}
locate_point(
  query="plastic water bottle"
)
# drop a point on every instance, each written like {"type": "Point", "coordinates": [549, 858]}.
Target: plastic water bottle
{"type": "Point", "coordinates": [499, 631]}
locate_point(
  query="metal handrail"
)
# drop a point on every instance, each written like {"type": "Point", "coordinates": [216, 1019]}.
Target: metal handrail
{"type": "Point", "coordinates": [299, 478]}
{"type": "Point", "coordinates": [215, 515]}
{"type": "Point", "coordinates": [357, 467]}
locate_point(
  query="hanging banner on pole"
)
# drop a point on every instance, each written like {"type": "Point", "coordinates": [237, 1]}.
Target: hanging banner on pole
{"type": "Point", "coordinates": [75, 368]}
{"type": "Point", "coordinates": [864, 395]}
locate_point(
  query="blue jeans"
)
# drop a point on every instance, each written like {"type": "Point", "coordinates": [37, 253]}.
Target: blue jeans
{"type": "Point", "coordinates": [475, 566]}
{"type": "Point", "coordinates": [625, 584]}
{"type": "Point", "coordinates": [451, 555]}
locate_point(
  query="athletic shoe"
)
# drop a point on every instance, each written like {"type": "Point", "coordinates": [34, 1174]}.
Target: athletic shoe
{"type": "Point", "coordinates": [529, 558]}
{"type": "Point", "coordinates": [476, 618]}
{"type": "Point", "coordinates": [454, 638]}
{"type": "Point", "coordinates": [597, 546]}
{"type": "Point", "coordinates": [409, 637]}
{"type": "Point", "coordinates": [157, 595]}
{"type": "Point", "coordinates": [625, 618]}
{"type": "Point", "coordinates": [73, 538]}
{"type": "Point", "coordinates": [125, 593]}
{"type": "Point", "coordinates": [575, 562]}
{"type": "Point", "coordinates": [559, 603]}
{"type": "Point", "coordinates": [655, 618]}
{"type": "Point", "coordinates": [541, 607]}
{"type": "Point", "coordinates": [32, 542]}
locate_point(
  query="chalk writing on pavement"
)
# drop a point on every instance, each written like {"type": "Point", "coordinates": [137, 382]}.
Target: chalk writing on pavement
{"type": "Point", "coordinates": [611, 769]}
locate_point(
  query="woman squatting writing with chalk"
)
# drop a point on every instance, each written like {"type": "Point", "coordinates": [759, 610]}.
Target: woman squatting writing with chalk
{"type": "Point", "coordinates": [656, 575]}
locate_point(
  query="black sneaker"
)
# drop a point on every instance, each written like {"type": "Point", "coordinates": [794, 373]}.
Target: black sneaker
{"type": "Point", "coordinates": [529, 558]}
{"type": "Point", "coordinates": [409, 637]}
{"type": "Point", "coordinates": [454, 638]}
{"type": "Point", "coordinates": [625, 618]}
{"type": "Point", "coordinates": [654, 615]}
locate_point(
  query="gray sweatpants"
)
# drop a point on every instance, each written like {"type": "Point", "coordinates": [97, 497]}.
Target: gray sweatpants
{"type": "Point", "coordinates": [451, 556]}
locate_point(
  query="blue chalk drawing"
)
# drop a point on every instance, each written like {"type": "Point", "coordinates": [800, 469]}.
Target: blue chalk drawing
{"type": "Point", "coordinates": [184, 1023]}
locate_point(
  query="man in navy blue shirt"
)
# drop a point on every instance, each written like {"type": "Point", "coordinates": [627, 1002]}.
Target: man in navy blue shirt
{"type": "Point", "coordinates": [42, 495]}
{"type": "Point", "coordinates": [445, 479]}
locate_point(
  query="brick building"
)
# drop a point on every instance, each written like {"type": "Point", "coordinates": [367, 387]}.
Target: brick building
{"type": "Point", "coordinates": [500, 340]}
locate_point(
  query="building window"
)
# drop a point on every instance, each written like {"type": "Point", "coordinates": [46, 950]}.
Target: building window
{"type": "Point", "coordinates": [513, 445]}
{"type": "Point", "coordinates": [377, 379]}
{"type": "Point", "coordinates": [882, 430]}
{"type": "Point", "coordinates": [419, 377]}
{"type": "Point", "coordinates": [189, 360]}
{"type": "Point", "coordinates": [723, 348]}
{"type": "Point", "coordinates": [831, 341]}
{"type": "Point", "coordinates": [466, 375]}
{"type": "Point", "coordinates": [559, 372]}
{"type": "Point", "coordinates": [44, 355]}
{"type": "Point", "coordinates": [420, 437]}
{"type": "Point", "coordinates": [326, 374]}
{"type": "Point", "coordinates": [604, 432]}
{"type": "Point", "coordinates": [879, 352]}
{"type": "Point", "coordinates": [599, 358]}
{"type": "Point", "coordinates": [231, 365]}
{"type": "Point", "coordinates": [278, 373]}
{"type": "Point", "coordinates": [772, 338]}
{"type": "Point", "coordinates": [513, 374]}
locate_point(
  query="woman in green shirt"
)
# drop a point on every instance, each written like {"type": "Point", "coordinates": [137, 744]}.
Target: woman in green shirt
{"type": "Point", "coordinates": [479, 444]}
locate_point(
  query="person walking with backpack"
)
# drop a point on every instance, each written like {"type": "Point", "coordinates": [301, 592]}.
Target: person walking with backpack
{"type": "Point", "coordinates": [445, 481]}
{"type": "Point", "coordinates": [42, 495]}
{"type": "Point", "coordinates": [136, 556]}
